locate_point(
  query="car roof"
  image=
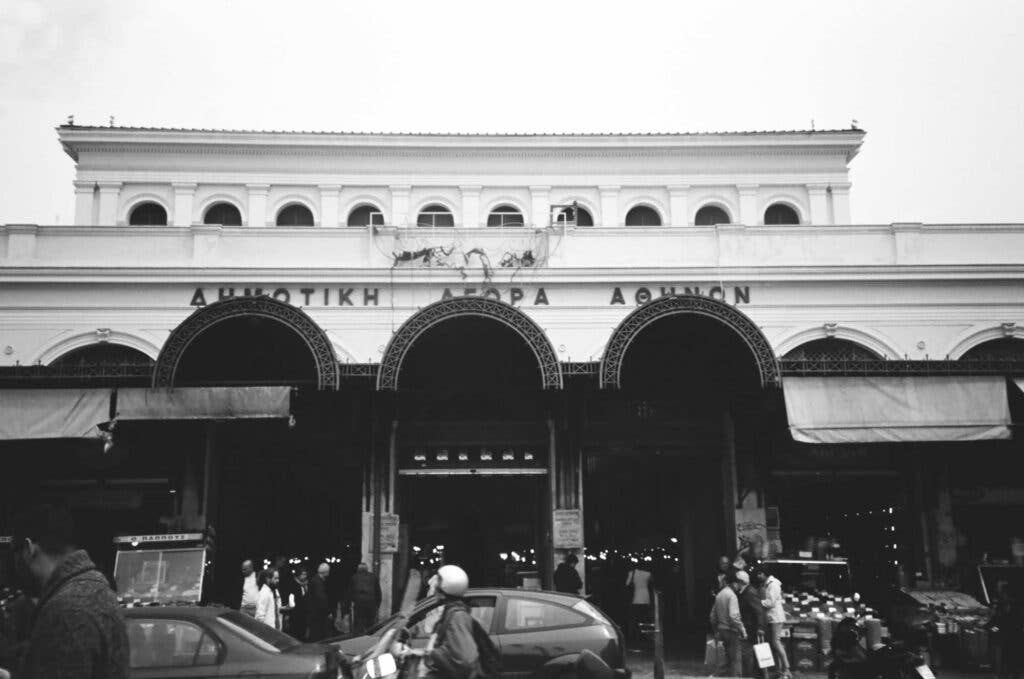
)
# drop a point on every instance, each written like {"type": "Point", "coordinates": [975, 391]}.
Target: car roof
{"type": "Point", "coordinates": [561, 597]}
{"type": "Point", "coordinates": [204, 612]}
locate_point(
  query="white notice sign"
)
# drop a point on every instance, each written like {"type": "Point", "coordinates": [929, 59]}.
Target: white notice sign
{"type": "Point", "coordinates": [389, 533]}
{"type": "Point", "coordinates": [568, 529]}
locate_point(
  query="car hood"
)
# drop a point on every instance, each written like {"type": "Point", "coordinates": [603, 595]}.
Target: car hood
{"type": "Point", "coordinates": [355, 645]}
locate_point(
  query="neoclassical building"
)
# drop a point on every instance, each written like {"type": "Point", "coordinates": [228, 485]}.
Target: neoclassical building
{"type": "Point", "coordinates": [496, 349]}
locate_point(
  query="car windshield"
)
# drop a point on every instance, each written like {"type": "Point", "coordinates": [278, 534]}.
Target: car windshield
{"type": "Point", "coordinates": [265, 634]}
{"type": "Point", "coordinates": [387, 623]}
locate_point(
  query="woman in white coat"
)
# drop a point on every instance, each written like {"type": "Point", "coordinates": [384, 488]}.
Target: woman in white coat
{"type": "Point", "coordinates": [268, 603]}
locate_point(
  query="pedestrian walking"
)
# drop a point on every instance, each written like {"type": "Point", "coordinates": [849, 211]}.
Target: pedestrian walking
{"type": "Point", "coordinates": [567, 578]}
{"type": "Point", "coordinates": [298, 603]}
{"type": "Point", "coordinates": [268, 603]}
{"type": "Point", "coordinates": [727, 624]}
{"type": "Point", "coordinates": [79, 631]}
{"type": "Point", "coordinates": [365, 595]}
{"type": "Point", "coordinates": [318, 605]}
{"type": "Point", "coordinates": [771, 592]}
{"type": "Point", "coordinates": [640, 581]}
{"type": "Point", "coordinates": [250, 589]}
{"type": "Point", "coordinates": [755, 622]}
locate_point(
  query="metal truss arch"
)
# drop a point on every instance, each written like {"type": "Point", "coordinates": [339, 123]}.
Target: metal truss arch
{"type": "Point", "coordinates": [204, 318]}
{"type": "Point", "coordinates": [671, 305]}
{"type": "Point", "coordinates": [483, 307]}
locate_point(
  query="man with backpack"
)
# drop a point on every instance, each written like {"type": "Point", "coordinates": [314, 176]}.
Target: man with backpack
{"type": "Point", "coordinates": [459, 648]}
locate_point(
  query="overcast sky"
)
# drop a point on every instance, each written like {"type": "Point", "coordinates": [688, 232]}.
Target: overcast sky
{"type": "Point", "coordinates": [939, 86]}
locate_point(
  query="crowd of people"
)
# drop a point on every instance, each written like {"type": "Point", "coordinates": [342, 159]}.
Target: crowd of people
{"type": "Point", "coordinates": [747, 610]}
{"type": "Point", "coordinates": [305, 606]}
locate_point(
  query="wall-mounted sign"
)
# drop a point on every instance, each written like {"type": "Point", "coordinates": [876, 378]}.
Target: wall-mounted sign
{"type": "Point", "coordinates": [752, 531]}
{"type": "Point", "coordinates": [568, 529]}
{"type": "Point", "coordinates": [365, 296]}
{"type": "Point", "coordinates": [389, 533]}
{"type": "Point", "coordinates": [168, 537]}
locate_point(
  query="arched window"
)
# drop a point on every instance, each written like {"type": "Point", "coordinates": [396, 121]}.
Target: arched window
{"type": "Point", "coordinates": [295, 215]}
{"type": "Point", "coordinates": [709, 215]}
{"type": "Point", "coordinates": [365, 215]}
{"type": "Point", "coordinates": [148, 214]}
{"type": "Point", "coordinates": [225, 214]}
{"type": "Point", "coordinates": [643, 215]}
{"type": "Point", "coordinates": [434, 216]}
{"type": "Point", "coordinates": [780, 213]}
{"type": "Point", "coordinates": [830, 349]}
{"type": "Point", "coordinates": [575, 215]}
{"type": "Point", "coordinates": [1002, 349]}
{"type": "Point", "coordinates": [505, 215]}
{"type": "Point", "coordinates": [109, 354]}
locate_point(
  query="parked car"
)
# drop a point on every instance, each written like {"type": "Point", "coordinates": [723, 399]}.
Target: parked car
{"type": "Point", "coordinates": [192, 641]}
{"type": "Point", "coordinates": [539, 634]}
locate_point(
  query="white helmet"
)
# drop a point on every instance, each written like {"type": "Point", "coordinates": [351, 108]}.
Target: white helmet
{"type": "Point", "coordinates": [454, 581]}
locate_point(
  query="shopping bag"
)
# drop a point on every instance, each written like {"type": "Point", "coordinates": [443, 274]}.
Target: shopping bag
{"type": "Point", "coordinates": [763, 653]}
{"type": "Point", "coordinates": [343, 625]}
{"type": "Point", "coordinates": [714, 655]}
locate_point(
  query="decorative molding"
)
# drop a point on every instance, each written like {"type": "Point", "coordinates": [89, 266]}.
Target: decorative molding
{"type": "Point", "coordinates": [872, 340]}
{"type": "Point", "coordinates": [204, 318]}
{"type": "Point", "coordinates": [981, 334]}
{"type": "Point", "coordinates": [67, 342]}
{"type": "Point", "coordinates": [438, 312]}
{"type": "Point", "coordinates": [671, 305]}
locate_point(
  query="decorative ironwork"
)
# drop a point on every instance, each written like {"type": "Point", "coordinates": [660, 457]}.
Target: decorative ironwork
{"type": "Point", "coordinates": [94, 373]}
{"type": "Point", "coordinates": [359, 369]}
{"type": "Point", "coordinates": [671, 305]}
{"type": "Point", "coordinates": [580, 368]}
{"type": "Point", "coordinates": [316, 340]}
{"type": "Point", "coordinates": [831, 349]}
{"type": "Point", "coordinates": [432, 314]}
{"type": "Point", "coordinates": [827, 367]}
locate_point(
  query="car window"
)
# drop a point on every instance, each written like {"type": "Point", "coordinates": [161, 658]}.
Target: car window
{"type": "Point", "coordinates": [169, 643]}
{"type": "Point", "coordinates": [256, 632]}
{"type": "Point", "coordinates": [525, 614]}
{"type": "Point", "coordinates": [422, 622]}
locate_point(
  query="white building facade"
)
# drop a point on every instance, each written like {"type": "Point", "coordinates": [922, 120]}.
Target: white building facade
{"type": "Point", "coordinates": [405, 259]}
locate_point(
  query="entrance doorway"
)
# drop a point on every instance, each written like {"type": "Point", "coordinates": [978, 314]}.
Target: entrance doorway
{"type": "Point", "coordinates": [491, 526]}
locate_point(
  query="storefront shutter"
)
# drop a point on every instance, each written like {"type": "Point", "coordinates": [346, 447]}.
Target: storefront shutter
{"type": "Point", "coordinates": [52, 413]}
{"type": "Point", "coordinates": [203, 403]}
{"type": "Point", "coordinates": [896, 409]}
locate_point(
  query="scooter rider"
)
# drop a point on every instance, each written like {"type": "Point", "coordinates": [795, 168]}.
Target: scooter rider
{"type": "Point", "coordinates": [452, 651]}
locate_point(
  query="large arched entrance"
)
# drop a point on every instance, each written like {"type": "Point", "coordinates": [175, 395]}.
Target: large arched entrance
{"type": "Point", "coordinates": [268, 487]}
{"type": "Point", "coordinates": [470, 440]}
{"type": "Point", "coordinates": [674, 436]}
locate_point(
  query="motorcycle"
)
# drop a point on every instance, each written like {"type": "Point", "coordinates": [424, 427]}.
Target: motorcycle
{"type": "Point", "coordinates": [850, 660]}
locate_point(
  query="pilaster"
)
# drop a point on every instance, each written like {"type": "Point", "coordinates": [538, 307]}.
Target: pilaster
{"type": "Point", "coordinates": [400, 204]}
{"type": "Point", "coordinates": [257, 207]}
{"type": "Point", "coordinates": [678, 199]}
{"type": "Point", "coordinates": [329, 196]}
{"type": "Point", "coordinates": [818, 195]}
{"type": "Point", "coordinates": [85, 198]}
{"type": "Point", "coordinates": [470, 206]}
{"type": "Point", "coordinates": [540, 206]}
{"type": "Point", "coordinates": [109, 191]}
{"type": "Point", "coordinates": [840, 203]}
{"type": "Point", "coordinates": [610, 205]}
{"type": "Point", "coordinates": [184, 192]}
{"type": "Point", "coordinates": [748, 204]}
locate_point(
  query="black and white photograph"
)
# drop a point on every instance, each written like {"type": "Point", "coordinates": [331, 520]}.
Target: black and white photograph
{"type": "Point", "coordinates": [351, 339]}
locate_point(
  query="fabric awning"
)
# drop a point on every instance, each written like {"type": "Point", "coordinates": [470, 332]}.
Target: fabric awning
{"type": "Point", "coordinates": [53, 413]}
{"type": "Point", "coordinates": [896, 409]}
{"type": "Point", "coordinates": [1019, 381]}
{"type": "Point", "coordinates": [203, 403]}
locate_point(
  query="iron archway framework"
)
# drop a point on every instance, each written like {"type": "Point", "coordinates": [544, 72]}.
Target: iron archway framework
{"type": "Point", "coordinates": [671, 305]}
{"type": "Point", "coordinates": [204, 318]}
{"type": "Point", "coordinates": [484, 307]}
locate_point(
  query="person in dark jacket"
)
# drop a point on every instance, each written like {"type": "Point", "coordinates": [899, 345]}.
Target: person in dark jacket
{"type": "Point", "coordinates": [567, 578]}
{"type": "Point", "coordinates": [452, 652]}
{"type": "Point", "coordinates": [1007, 628]}
{"type": "Point", "coordinates": [298, 602]}
{"type": "Point", "coordinates": [365, 595]}
{"type": "Point", "coordinates": [79, 631]}
{"type": "Point", "coordinates": [318, 606]}
{"type": "Point", "coordinates": [755, 622]}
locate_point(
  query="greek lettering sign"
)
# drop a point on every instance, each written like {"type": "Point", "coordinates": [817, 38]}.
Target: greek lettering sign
{"type": "Point", "coordinates": [389, 533]}
{"type": "Point", "coordinates": [568, 529]}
